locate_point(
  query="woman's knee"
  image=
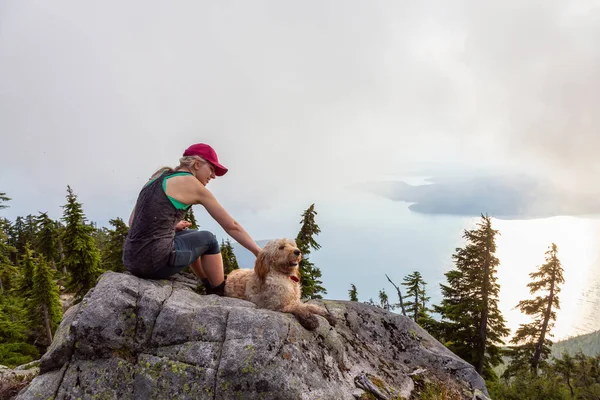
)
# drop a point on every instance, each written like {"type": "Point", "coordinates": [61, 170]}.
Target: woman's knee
{"type": "Point", "coordinates": [209, 240]}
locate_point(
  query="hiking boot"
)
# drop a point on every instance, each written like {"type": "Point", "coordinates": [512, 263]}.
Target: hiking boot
{"type": "Point", "coordinates": [218, 290]}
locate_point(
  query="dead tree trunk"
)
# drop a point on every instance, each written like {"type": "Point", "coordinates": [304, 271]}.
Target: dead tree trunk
{"type": "Point", "coordinates": [47, 323]}
{"type": "Point", "coordinates": [399, 295]}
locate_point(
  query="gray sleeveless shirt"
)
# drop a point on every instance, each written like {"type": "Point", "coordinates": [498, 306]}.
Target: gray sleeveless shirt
{"type": "Point", "coordinates": [149, 242]}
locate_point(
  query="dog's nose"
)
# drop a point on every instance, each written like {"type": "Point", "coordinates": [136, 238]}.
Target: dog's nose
{"type": "Point", "coordinates": [297, 252]}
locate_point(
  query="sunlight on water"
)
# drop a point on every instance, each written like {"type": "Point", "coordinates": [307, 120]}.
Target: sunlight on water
{"type": "Point", "coordinates": [521, 248]}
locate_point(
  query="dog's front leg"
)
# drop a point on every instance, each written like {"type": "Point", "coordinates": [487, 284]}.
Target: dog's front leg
{"type": "Point", "coordinates": [314, 309]}
{"type": "Point", "coordinates": [303, 315]}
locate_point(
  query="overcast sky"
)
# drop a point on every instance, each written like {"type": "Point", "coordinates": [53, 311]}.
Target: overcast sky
{"type": "Point", "coordinates": [297, 97]}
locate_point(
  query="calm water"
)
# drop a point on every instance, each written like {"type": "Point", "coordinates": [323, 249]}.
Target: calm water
{"type": "Point", "coordinates": [365, 237]}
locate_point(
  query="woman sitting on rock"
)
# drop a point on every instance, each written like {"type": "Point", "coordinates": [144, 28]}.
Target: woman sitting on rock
{"type": "Point", "coordinates": [159, 243]}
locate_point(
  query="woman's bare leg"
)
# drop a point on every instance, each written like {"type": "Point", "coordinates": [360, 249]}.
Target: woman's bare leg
{"type": "Point", "coordinates": [209, 266]}
{"type": "Point", "coordinates": [196, 268]}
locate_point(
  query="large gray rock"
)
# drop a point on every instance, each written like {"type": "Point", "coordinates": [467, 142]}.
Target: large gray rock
{"type": "Point", "coordinates": [139, 339]}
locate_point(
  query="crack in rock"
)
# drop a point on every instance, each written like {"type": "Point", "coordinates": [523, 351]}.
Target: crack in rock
{"type": "Point", "coordinates": [221, 355]}
{"type": "Point", "coordinates": [283, 342]}
{"type": "Point", "coordinates": [162, 306]}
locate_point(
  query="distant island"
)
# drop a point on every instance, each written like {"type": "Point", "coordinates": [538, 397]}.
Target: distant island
{"type": "Point", "coordinates": [504, 197]}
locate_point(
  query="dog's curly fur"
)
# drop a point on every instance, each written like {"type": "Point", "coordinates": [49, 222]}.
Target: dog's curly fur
{"type": "Point", "coordinates": [274, 283]}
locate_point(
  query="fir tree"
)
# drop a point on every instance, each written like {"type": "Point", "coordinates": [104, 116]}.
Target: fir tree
{"type": "Point", "coordinates": [225, 256]}
{"type": "Point", "coordinates": [112, 256]}
{"type": "Point", "coordinates": [8, 272]}
{"type": "Point", "coordinates": [191, 218]}
{"type": "Point", "coordinates": [567, 377]}
{"type": "Point", "coordinates": [3, 199]}
{"type": "Point", "coordinates": [27, 269]}
{"type": "Point", "coordinates": [588, 375]}
{"type": "Point", "coordinates": [229, 260]}
{"type": "Point", "coordinates": [531, 340]}
{"type": "Point", "coordinates": [46, 241]}
{"type": "Point", "coordinates": [45, 300]}
{"type": "Point", "coordinates": [81, 256]}
{"type": "Point", "coordinates": [60, 229]}
{"type": "Point", "coordinates": [13, 326]}
{"type": "Point", "coordinates": [353, 293]}
{"type": "Point", "coordinates": [565, 366]}
{"type": "Point", "coordinates": [23, 231]}
{"type": "Point", "coordinates": [384, 301]}
{"type": "Point", "coordinates": [415, 289]}
{"type": "Point", "coordinates": [475, 325]}
{"type": "Point", "coordinates": [13, 333]}
{"type": "Point", "coordinates": [309, 274]}
{"type": "Point", "coordinates": [13, 318]}
{"type": "Point", "coordinates": [100, 236]}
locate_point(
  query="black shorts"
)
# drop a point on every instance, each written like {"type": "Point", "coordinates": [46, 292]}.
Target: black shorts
{"type": "Point", "coordinates": [189, 245]}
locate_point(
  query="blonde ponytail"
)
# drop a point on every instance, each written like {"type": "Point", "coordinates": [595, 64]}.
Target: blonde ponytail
{"type": "Point", "coordinates": [184, 162]}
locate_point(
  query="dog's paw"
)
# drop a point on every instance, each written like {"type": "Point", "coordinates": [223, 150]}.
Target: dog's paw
{"type": "Point", "coordinates": [331, 319]}
{"type": "Point", "coordinates": [309, 322]}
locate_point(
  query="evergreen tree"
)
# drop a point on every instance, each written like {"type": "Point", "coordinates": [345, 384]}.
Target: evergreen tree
{"type": "Point", "coordinates": [529, 386]}
{"type": "Point", "coordinates": [81, 256]}
{"type": "Point", "coordinates": [27, 269]}
{"type": "Point", "coordinates": [475, 325]}
{"type": "Point", "coordinates": [23, 231]}
{"type": "Point", "coordinates": [384, 301]}
{"type": "Point", "coordinates": [46, 241]}
{"type": "Point", "coordinates": [353, 293]}
{"type": "Point", "coordinates": [531, 340]}
{"type": "Point", "coordinates": [225, 256]}
{"type": "Point", "coordinates": [191, 218]}
{"type": "Point", "coordinates": [100, 236]}
{"type": "Point", "coordinates": [15, 235]}
{"type": "Point", "coordinates": [229, 260]}
{"type": "Point", "coordinates": [30, 229]}
{"type": "Point", "coordinates": [568, 377]}
{"type": "Point", "coordinates": [8, 272]}
{"type": "Point", "coordinates": [565, 366]}
{"type": "Point", "coordinates": [13, 333]}
{"type": "Point", "coordinates": [112, 256]}
{"type": "Point", "coordinates": [13, 318]}
{"type": "Point", "coordinates": [415, 289]}
{"type": "Point", "coordinates": [44, 301]}
{"type": "Point", "coordinates": [309, 274]}
{"type": "Point", "coordinates": [60, 228]}
{"type": "Point", "coordinates": [3, 199]}
{"type": "Point", "coordinates": [588, 378]}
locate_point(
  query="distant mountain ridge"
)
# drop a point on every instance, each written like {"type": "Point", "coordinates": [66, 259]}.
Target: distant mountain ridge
{"type": "Point", "coordinates": [505, 197]}
{"type": "Point", "coordinates": [588, 344]}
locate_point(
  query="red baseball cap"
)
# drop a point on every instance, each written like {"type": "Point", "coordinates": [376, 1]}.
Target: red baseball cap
{"type": "Point", "coordinates": [209, 154]}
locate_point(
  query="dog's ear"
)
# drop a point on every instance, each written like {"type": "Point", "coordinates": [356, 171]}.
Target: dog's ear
{"type": "Point", "coordinates": [261, 268]}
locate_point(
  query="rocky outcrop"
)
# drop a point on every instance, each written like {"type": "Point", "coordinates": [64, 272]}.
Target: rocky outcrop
{"type": "Point", "coordinates": [140, 339]}
{"type": "Point", "coordinates": [13, 380]}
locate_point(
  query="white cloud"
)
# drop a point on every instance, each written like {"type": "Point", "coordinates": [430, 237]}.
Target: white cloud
{"type": "Point", "coordinates": [297, 97]}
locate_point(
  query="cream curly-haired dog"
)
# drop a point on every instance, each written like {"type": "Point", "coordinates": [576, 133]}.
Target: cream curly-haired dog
{"type": "Point", "coordinates": [274, 283]}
